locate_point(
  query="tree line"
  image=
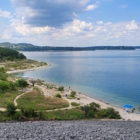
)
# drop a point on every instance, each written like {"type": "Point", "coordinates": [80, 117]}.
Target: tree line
{"type": "Point", "coordinates": [9, 54]}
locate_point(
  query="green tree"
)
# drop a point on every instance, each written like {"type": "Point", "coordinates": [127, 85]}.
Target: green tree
{"type": "Point", "coordinates": [95, 107]}
{"type": "Point", "coordinates": [22, 83]}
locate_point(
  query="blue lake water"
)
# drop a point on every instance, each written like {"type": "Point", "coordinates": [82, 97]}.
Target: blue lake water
{"type": "Point", "coordinates": [111, 76]}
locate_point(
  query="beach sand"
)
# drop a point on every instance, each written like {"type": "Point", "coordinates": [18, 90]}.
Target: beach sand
{"type": "Point", "coordinates": [84, 100]}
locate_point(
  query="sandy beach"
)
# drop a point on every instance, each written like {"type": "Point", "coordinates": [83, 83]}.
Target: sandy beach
{"type": "Point", "coordinates": [84, 100]}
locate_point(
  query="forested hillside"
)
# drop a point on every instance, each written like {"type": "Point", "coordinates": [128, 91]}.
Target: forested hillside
{"type": "Point", "coordinates": [9, 54]}
{"type": "Point", "coordinates": [31, 47]}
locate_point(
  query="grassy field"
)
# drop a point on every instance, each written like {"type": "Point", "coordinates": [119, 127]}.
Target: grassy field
{"type": "Point", "coordinates": [38, 101]}
{"type": "Point", "coordinates": [22, 64]}
{"type": "Point", "coordinates": [8, 97]}
{"type": "Point", "coordinates": [68, 114]}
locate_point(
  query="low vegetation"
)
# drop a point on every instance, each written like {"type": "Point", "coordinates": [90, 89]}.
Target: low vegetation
{"type": "Point", "coordinates": [58, 95]}
{"type": "Point", "coordinates": [74, 104]}
{"type": "Point", "coordinates": [73, 93]}
{"type": "Point", "coordinates": [93, 110]}
{"type": "Point", "coordinates": [61, 88]}
{"type": "Point", "coordinates": [8, 89]}
{"type": "Point", "coordinates": [22, 64]}
{"type": "Point", "coordinates": [37, 100]}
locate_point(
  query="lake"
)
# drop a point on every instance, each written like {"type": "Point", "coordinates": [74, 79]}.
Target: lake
{"type": "Point", "coordinates": [110, 76]}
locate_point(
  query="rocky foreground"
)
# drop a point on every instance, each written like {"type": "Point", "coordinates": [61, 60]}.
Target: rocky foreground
{"type": "Point", "coordinates": [70, 130]}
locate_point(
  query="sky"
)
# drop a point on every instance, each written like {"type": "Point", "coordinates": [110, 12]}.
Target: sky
{"type": "Point", "coordinates": [78, 23]}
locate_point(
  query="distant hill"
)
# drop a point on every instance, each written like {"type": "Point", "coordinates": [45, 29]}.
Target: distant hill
{"type": "Point", "coordinates": [31, 47]}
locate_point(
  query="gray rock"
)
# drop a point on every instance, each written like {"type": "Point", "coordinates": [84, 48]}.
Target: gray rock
{"type": "Point", "coordinates": [70, 130]}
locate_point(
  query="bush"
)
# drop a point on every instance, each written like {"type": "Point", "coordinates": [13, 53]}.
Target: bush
{"type": "Point", "coordinates": [14, 65]}
{"type": "Point", "coordinates": [17, 115]}
{"type": "Point", "coordinates": [73, 93]}
{"type": "Point", "coordinates": [22, 83]}
{"type": "Point", "coordinates": [93, 110]}
{"type": "Point", "coordinates": [109, 113]}
{"type": "Point", "coordinates": [11, 109]}
{"type": "Point", "coordinates": [61, 88]}
{"type": "Point", "coordinates": [90, 114]}
{"type": "Point", "coordinates": [74, 104]}
{"type": "Point", "coordinates": [4, 86]}
{"type": "Point", "coordinates": [94, 106]}
{"type": "Point", "coordinates": [41, 115]}
{"type": "Point", "coordinates": [86, 109]}
{"type": "Point", "coordinates": [28, 112]}
{"type": "Point", "coordinates": [2, 69]}
{"type": "Point", "coordinates": [58, 95]}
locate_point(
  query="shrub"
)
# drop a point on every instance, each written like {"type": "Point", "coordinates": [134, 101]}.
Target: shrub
{"type": "Point", "coordinates": [41, 115]}
{"type": "Point", "coordinates": [3, 76]}
{"type": "Point", "coordinates": [2, 69]}
{"type": "Point", "coordinates": [73, 93]}
{"type": "Point", "coordinates": [86, 109]}
{"type": "Point", "coordinates": [17, 115]}
{"type": "Point", "coordinates": [94, 106]}
{"type": "Point", "coordinates": [22, 83]}
{"type": "Point", "coordinates": [4, 86]}
{"type": "Point", "coordinates": [74, 104]}
{"type": "Point", "coordinates": [28, 112]}
{"type": "Point", "coordinates": [58, 95]}
{"type": "Point", "coordinates": [109, 113]}
{"type": "Point", "coordinates": [90, 114]}
{"type": "Point", "coordinates": [12, 86]}
{"type": "Point", "coordinates": [61, 88]}
{"type": "Point", "coordinates": [14, 65]}
{"type": "Point", "coordinates": [11, 109]}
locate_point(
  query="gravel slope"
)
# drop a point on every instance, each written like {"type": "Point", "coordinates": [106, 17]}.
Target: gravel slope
{"type": "Point", "coordinates": [70, 130]}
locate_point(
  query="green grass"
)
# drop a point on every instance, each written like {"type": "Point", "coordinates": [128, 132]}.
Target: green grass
{"type": "Point", "coordinates": [22, 64]}
{"type": "Point", "coordinates": [8, 97]}
{"type": "Point", "coordinates": [68, 114]}
{"type": "Point", "coordinates": [74, 104]}
{"type": "Point", "coordinates": [38, 101]}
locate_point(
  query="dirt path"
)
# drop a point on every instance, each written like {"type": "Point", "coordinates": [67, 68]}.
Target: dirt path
{"type": "Point", "coordinates": [2, 109]}
{"type": "Point", "coordinates": [28, 90]}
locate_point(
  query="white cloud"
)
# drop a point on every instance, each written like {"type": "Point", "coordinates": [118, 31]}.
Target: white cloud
{"type": "Point", "coordinates": [92, 7]}
{"type": "Point", "coordinates": [26, 30]}
{"type": "Point", "coordinates": [75, 33]}
{"type": "Point", "coordinates": [132, 26]}
{"type": "Point", "coordinates": [5, 14]}
{"type": "Point", "coordinates": [79, 26]}
{"type": "Point", "coordinates": [100, 22]}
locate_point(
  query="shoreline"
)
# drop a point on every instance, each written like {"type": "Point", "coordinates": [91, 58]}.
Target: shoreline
{"type": "Point", "coordinates": [85, 99]}
{"type": "Point", "coordinates": [30, 69]}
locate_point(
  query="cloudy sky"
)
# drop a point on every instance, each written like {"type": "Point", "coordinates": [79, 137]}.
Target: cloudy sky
{"type": "Point", "coordinates": [70, 22]}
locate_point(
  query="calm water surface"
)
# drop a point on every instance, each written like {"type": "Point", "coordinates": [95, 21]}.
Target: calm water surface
{"type": "Point", "coordinates": [111, 76]}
